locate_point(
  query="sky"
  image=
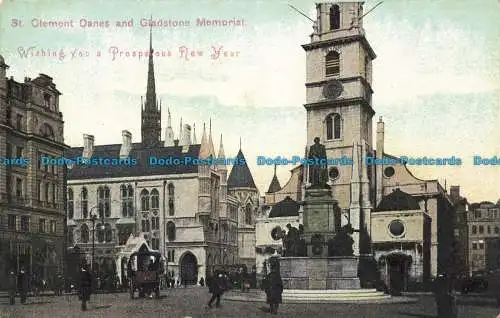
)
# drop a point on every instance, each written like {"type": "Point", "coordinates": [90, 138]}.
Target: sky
{"type": "Point", "coordinates": [436, 78]}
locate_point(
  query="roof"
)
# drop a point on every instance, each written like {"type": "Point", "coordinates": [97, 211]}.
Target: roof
{"type": "Point", "coordinates": [398, 201]}
{"type": "Point", "coordinates": [287, 207]}
{"type": "Point", "coordinates": [240, 176]}
{"type": "Point", "coordinates": [138, 152]}
{"type": "Point", "coordinates": [274, 186]}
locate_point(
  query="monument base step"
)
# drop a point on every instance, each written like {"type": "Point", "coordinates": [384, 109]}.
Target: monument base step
{"type": "Point", "coordinates": [334, 295]}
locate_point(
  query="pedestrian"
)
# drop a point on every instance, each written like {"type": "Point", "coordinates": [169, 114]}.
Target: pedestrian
{"type": "Point", "coordinates": [85, 286]}
{"type": "Point", "coordinates": [216, 286]}
{"type": "Point", "coordinates": [23, 285]}
{"type": "Point", "coordinates": [12, 287]}
{"type": "Point", "coordinates": [445, 299]}
{"type": "Point", "coordinates": [274, 290]}
{"type": "Point", "coordinates": [202, 282]}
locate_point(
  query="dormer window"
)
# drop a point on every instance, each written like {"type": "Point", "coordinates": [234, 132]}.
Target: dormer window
{"type": "Point", "coordinates": [334, 17]}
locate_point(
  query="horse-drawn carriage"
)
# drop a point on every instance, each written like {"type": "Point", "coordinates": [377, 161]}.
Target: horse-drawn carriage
{"type": "Point", "coordinates": [145, 271]}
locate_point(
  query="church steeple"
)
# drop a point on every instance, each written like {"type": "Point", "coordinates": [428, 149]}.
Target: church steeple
{"type": "Point", "coordinates": [151, 112]}
{"type": "Point", "coordinates": [151, 89]}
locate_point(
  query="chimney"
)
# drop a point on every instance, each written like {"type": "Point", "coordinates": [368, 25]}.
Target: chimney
{"type": "Point", "coordinates": [88, 146]}
{"type": "Point", "coordinates": [186, 135]}
{"type": "Point", "coordinates": [126, 144]}
{"type": "Point", "coordinates": [380, 138]}
{"type": "Point", "coordinates": [455, 193]}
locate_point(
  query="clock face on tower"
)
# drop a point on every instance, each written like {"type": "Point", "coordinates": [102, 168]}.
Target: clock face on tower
{"type": "Point", "coordinates": [332, 89]}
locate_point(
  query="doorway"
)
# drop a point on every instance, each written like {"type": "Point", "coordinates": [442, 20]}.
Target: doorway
{"type": "Point", "coordinates": [189, 269]}
{"type": "Point", "coordinates": [397, 266]}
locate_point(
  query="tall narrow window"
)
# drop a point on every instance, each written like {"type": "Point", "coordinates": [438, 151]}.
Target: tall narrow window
{"type": "Point", "coordinates": [104, 202]}
{"type": "Point", "coordinates": [47, 190]}
{"type": "Point", "coordinates": [333, 126]}
{"type": "Point", "coordinates": [127, 193]}
{"type": "Point", "coordinates": [19, 122]}
{"type": "Point", "coordinates": [334, 17]}
{"type": "Point", "coordinates": [19, 188]}
{"type": "Point", "coordinates": [71, 239]}
{"type": "Point", "coordinates": [71, 211]}
{"type": "Point", "coordinates": [144, 200]}
{"type": "Point", "coordinates": [171, 231]}
{"type": "Point", "coordinates": [332, 64]}
{"type": "Point", "coordinates": [108, 232]}
{"type": "Point", "coordinates": [54, 192]}
{"type": "Point", "coordinates": [84, 233]}
{"type": "Point", "coordinates": [248, 214]}
{"type": "Point", "coordinates": [84, 203]}
{"type": "Point", "coordinates": [171, 203]}
{"type": "Point", "coordinates": [155, 199]}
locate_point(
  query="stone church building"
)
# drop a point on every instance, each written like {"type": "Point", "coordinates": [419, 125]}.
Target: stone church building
{"type": "Point", "coordinates": [195, 215]}
{"type": "Point", "coordinates": [404, 222]}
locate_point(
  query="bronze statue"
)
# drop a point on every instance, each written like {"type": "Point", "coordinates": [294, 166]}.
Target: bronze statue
{"type": "Point", "coordinates": [291, 241]}
{"type": "Point", "coordinates": [318, 170]}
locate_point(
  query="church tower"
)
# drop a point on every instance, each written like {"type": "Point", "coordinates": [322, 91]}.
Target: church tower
{"type": "Point", "coordinates": [339, 105]}
{"type": "Point", "coordinates": [150, 110]}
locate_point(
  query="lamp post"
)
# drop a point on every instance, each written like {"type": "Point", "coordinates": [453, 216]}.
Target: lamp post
{"type": "Point", "coordinates": [93, 218]}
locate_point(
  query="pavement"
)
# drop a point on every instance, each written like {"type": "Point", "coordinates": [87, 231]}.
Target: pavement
{"type": "Point", "coordinates": [191, 302]}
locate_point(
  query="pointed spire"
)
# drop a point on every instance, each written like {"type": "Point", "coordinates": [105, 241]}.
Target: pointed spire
{"type": "Point", "coordinates": [240, 143]}
{"type": "Point", "coordinates": [180, 130]}
{"type": "Point", "coordinates": [169, 120]}
{"type": "Point", "coordinates": [195, 140]}
{"type": "Point", "coordinates": [221, 149]}
{"type": "Point", "coordinates": [204, 147]}
{"type": "Point", "coordinates": [151, 89]}
{"type": "Point", "coordinates": [275, 185]}
{"type": "Point", "coordinates": [210, 141]}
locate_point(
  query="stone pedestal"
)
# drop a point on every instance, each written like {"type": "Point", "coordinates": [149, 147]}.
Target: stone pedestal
{"type": "Point", "coordinates": [320, 273]}
{"type": "Point", "coordinates": [319, 220]}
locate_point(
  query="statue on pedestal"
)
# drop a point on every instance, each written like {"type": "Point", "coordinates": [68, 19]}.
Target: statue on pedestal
{"type": "Point", "coordinates": [318, 169]}
{"type": "Point", "coordinates": [291, 241]}
{"type": "Point", "coordinates": [342, 244]}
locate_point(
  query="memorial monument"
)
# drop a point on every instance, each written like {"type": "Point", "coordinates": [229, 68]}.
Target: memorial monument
{"type": "Point", "coordinates": [310, 260]}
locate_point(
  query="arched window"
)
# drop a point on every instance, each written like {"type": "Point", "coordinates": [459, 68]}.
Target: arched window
{"type": "Point", "coordinates": [104, 202]}
{"type": "Point", "coordinates": [47, 131]}
{"type": "Point", "coordinates": [71, 211]}
{"type": "Point", "coordinates": [334, 17]}
{"type": "Point", "coordinates": [127, 193]}
{"type": "Point", "coordinates": [100, 233]}
{"type": "Point", "coordinates": [171, 199]}
{"type": "Point", "coordinates": [248, 214]}
{"type": "Point", "coordinates": [144, 200]}
{"type": "Point", "coordinates": [155, 199]}
{"type": "Point", "coordinates": [108, 232]}
{"type": "Point", "coordinates": [332, 64]}
{"type": "Point", "coordinates": [171, 231]}
{"type": "Point", "coordinates": [333, 126]}
{"type": "Point", "coordinates": [84, 203]}
{"type": "Point", "coordinates": [84, 233]}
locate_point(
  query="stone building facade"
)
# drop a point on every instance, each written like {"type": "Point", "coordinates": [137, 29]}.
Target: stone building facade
{"type": "Point", "coordinates": [32, 209]}
{"type": "Point", "coordinates": [193, 214]}
{"type": "Point", "coordinates": [483, 220]}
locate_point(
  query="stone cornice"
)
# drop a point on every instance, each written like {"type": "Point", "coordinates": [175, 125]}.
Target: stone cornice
{"type": "Point", "coordinates": [342, 40]}
{"type": "Point", "coordinates": [341, 102]}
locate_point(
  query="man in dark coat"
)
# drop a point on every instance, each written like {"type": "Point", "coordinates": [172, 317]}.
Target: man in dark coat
{"type": "Point", "coordinates": [274, 290]}
{"type": "Point", "coordinates": [445, 300]}
{"type": "Point", "coordinates": [216, 286]}
{"type": "Point", "coordinates": [23, 284]}
{"type": "Point", "coordinates": [85, 286]}
{"type": "Point", "coordinates": [12, 284]}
